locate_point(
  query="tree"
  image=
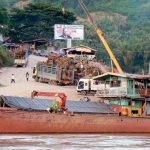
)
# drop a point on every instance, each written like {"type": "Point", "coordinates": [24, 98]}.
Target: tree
{"type": "Point", "coordinates": [4, 18]}
{"type": "Point", "coordinates": [37, 20]}
{"type": "Point", "coordinates": [6, 59]}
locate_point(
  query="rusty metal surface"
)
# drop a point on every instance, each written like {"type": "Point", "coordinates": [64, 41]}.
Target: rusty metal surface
{"type": "Point", "coordinates": [43, 104]}
{"type": "Point", "coordinates": [43, 122]}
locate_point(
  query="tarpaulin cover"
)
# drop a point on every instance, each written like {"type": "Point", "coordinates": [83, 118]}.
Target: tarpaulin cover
{"type": "Point", "coordinates": [43, 104]}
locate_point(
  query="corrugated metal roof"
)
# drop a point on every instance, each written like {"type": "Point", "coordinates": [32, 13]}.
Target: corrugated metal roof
{"type": "Point", "coordinates": [43, 104]}
{"type": "Point", "coordinates": [88, 49]}
{"type": "Point", "coordinates": [42, 40]}
{"type": "Point", "coordinates": [125, 75]}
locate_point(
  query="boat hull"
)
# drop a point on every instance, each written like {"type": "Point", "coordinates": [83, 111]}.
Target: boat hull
{"type": "Point", "coordinates": [18, 121]}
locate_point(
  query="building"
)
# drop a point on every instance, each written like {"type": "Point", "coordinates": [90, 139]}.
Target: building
{"type": "Point", "coordinates": [33, 44]}
{"type": "Point", "coordinates": [130, 91]}
{"type": "Point", "coordinates": [80, 51]}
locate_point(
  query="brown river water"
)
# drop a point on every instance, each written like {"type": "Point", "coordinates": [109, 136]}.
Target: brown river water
{"type": "Point", "coordinates": [75, 142]}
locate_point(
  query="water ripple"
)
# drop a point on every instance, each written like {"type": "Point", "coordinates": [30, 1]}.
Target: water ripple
{"type": "Point", "coordinates": [75, 142]}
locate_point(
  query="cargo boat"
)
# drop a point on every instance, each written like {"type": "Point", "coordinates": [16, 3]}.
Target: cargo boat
{"type": "Point", "coordinates": [19, 121]}
{"type": "Point", "coordinates": [23, 115]}
{"type": "Point", "coordinates": [127, 110]}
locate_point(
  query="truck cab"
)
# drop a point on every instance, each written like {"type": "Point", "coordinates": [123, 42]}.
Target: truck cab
{"type": "Point", "coordinates": [86, 86]}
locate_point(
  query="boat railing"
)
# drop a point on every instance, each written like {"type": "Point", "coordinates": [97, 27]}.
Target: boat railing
{"type": "Point", "coordinates": [112, 92]}
{"type": "Point", "coordinates": [145, 92]}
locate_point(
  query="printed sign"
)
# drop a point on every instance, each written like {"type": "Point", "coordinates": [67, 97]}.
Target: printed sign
{"type": "Point", "coordinates": [73, 32]}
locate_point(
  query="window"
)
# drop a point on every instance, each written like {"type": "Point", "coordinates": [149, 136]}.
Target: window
{"type": "Point", "coordinates": [53, 70]}
{"type": "Point", "coordinates": [44, 69]}
{"type": "Point", "coordinates": [115, 83]}
{"type": "Point", "coordinates": [96, 82]}
{"type": "Point", "coordinates": [135, 111]}
{"type": "Point", "coordinates": [49, 69]}
{"type": "Point", "coordinates": [81, 85]}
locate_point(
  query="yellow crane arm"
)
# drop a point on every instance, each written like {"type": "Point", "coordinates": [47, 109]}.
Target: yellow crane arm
{"type": "Point", "coordinates": [112, 56]}
{"type": "Point", "coordinates": [101, 36]}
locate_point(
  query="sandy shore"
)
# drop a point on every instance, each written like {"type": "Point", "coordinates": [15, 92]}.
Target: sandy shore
{"type": "Point", "coordinates": [23, 88]}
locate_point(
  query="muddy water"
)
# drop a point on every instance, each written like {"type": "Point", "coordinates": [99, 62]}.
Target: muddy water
{"type": "Point", "coordinates": [75, 142]}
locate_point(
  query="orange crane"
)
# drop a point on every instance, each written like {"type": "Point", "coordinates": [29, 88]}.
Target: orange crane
{"type": "Point", "coordinates": [62, 96]}
{"type": "Point", "coordinates": [101, 36]}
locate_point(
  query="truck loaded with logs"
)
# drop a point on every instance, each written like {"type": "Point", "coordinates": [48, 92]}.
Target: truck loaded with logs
{"type": "Point", "coordinates": [53, 74]}
{"type": "Point", "coordinates": [62, 70]}
{"type": "Point", "coordinates": [21, 58]}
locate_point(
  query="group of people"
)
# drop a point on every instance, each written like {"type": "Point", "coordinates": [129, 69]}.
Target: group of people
{"type": "Point", "coordinates": [13, 77]}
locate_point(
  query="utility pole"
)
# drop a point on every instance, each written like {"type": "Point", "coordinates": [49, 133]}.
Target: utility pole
{"type": "Point", "coordinates": [111, 63]}
{"type": "Point", "coordinates": [69, 42]}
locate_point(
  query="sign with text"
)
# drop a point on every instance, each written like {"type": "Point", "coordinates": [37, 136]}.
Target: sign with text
{"type": "Point", "coordinates": [73, 32]}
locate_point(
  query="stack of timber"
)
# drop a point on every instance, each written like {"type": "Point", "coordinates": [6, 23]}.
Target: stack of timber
{"type": "Point", "coordinates": [20, 54]}
{"type": "Point", "coordinates": [21, 58]}
{"type": "Point", "coordinates": [68, 70]}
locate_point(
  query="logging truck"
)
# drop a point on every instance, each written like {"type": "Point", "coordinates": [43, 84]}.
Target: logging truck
{"type": "Point", "coordinates": [53, 75]}
{"type": "Point", "coordinates": [21, 59]}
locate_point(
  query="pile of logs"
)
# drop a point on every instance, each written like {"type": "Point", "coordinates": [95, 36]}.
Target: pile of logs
{"type": "Point", "coordinates": [20, 54]}
{"type": "Point", "coordinates": [88, 69]}
{"type": "Point", "coordinates": [60, 61]}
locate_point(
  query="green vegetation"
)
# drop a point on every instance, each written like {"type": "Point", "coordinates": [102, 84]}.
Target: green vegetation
{"type": "Point", "coordinates": [127, 32]}
{"type": "Point", "coordinates": [37, 21]}
{"type": "Point", "coordinates": [125, 23]}
{"type": "Point", "coordinates": [7, 3]}
{"type": "Point", "coordinates": [5, 58]}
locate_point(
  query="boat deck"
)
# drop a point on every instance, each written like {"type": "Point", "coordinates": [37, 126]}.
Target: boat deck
{"type": "Point", "coordinates": [42, 104]}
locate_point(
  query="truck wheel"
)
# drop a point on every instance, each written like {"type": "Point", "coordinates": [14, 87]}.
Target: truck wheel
{"type": "Point", "coordinates": [83, 92]}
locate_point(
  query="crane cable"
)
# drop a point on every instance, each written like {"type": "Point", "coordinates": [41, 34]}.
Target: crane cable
{"type": "Point", "coordinates": [89, 16]}
{"type": "Point", "coordinates": [101, 36]}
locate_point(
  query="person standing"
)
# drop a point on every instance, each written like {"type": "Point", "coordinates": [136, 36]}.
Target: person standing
{"type": "Point", "coordinates": [12, 78]}
{"type": "Point", "coordinates": [27, 76]}
{"type": "Point", "coordinates": [81, 67]}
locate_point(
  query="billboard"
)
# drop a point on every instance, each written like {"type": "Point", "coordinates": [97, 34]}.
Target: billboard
{"type": "Point", "coordinates": [73, 32]}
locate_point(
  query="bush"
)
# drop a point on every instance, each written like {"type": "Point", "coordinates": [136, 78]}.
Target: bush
{"type": "Point", "coordinates": [5, 59]}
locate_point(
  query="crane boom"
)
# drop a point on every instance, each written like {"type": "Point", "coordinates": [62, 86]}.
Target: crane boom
{"type": "Point", "coordinates": [51, 94]}
{"type": "Point", "coordinates": [101, 36]}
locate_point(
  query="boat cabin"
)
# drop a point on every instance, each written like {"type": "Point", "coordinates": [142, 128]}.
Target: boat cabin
{"type": "Point", "coordinates": [127, 90]}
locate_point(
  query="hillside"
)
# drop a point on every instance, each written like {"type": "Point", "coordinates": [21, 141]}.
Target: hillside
{"type": "Point", "coordinates": [125, 24]}
{"type": "Point", "coordinates": [8, 3]}
{"type": "Point", "coordinates": [22, 3]}
{"type": "Point", "coordinates": [126, 27]}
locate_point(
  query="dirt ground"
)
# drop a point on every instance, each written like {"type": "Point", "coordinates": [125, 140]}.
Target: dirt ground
{"type": "Point", "coordinates": [23, 88]}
